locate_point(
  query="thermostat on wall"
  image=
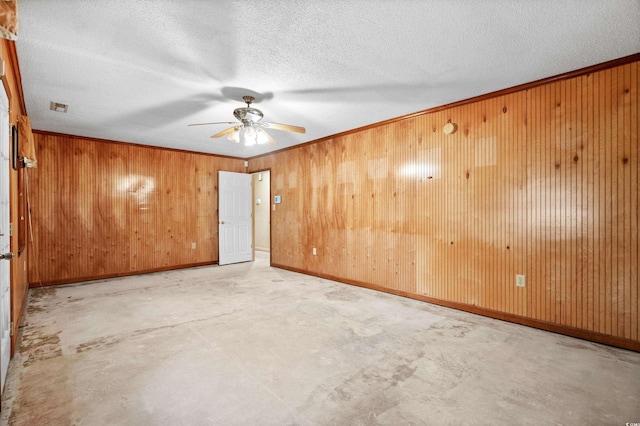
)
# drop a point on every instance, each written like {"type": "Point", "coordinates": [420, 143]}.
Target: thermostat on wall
{"type": "Point", "coordinates": [277, 199]}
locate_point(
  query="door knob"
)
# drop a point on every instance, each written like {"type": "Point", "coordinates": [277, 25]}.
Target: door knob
{"type": "Point", "coordinates": [6, 256]}
{"type": "Point", "coordinates": [222, 222]}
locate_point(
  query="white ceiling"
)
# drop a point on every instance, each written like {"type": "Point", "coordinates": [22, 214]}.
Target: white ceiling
{"type": "Point", "coordinates": [140, 71]}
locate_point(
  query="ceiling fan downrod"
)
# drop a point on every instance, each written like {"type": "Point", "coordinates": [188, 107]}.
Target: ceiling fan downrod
{"type": "Point", "coordinates": [248, 100]}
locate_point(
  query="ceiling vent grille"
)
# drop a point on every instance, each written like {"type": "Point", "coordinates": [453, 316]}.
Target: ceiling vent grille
{"type": "Point", "coordinates": [58, 107]}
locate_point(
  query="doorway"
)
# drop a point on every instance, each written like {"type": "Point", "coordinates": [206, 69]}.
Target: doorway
{"type": "Point", "coordinates": [262, 210]}
{"type": "Point", "coordinates": [234, 218]}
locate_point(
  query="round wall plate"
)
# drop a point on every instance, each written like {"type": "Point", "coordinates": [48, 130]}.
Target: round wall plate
{"type": "Point", "coordinates": [449, 128]}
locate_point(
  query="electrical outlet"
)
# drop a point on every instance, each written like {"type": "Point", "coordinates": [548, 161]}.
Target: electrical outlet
{"type": "Point", "coordinates": [193, 246]}
{"type": "Point", "coordinates": [520, 280]}
{"type": "Point", "coordinates": [315, 252]}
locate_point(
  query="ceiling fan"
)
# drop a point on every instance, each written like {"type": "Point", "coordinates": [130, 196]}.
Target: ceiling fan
{"type": "Point", "coordinates": [250, 129]}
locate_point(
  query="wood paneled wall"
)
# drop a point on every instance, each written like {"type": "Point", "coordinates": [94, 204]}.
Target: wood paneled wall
{"type": "Point", "coordinates": [19, 284]}
{"type": "Point", "coordinates": [541, 182]}
{"type": "Point", "coordinates": [104, 209]}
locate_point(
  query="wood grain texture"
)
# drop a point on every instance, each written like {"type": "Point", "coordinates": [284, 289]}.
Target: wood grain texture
{"type": "Point", "coordinates": [541, 182]}
{"type": "Point", "coordinates": [19, 286]}
{"type": "Point", "coordinates": [105, 209]}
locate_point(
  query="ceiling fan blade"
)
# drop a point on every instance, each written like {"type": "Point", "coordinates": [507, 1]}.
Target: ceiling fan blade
{"type": "Point", "coordinates": [270, 140]}
{"type": "Point", "coordinates": [217, 122]}
{"type": "Point", "coordinates": [285, 127]}
{"type": "Point", "coordinates": [225, 132]}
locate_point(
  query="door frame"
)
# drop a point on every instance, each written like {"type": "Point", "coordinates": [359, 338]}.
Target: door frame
{"type": "Point", "coordinates": [253, 213]}
{"type": "Point", "coordinates": [239, 222]}
{"type": "Point", "coordinates": [6, 144]}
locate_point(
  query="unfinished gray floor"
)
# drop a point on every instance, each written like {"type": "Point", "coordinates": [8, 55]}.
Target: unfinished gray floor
{"type": "Point", "coordinates": [253, 345]}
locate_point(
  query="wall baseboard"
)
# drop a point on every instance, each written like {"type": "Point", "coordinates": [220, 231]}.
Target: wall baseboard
{"type": "Point", "coordinates": [124, 274]}
{"type": "Point", "coordinates": [579, 333]}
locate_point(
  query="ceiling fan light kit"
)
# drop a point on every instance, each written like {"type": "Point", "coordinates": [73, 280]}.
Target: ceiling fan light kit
{"type": "Point", "coordinates": [249, 131]}
{"type": "Point", "coordinates": [249, 136]}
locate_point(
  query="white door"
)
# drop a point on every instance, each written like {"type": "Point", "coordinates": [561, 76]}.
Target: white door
{"type": "Point", "coordinates": [234, 218]}
{"type": "Point", "coordinates": [5, 254]}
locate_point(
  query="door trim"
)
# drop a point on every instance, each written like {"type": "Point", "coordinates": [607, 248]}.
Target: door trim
{"type": "Point", "coordinates": [235, 193]}
{"type": "Point", "coordinates": [253, 211]}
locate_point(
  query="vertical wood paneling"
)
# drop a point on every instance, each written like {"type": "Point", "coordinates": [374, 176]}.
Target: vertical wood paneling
{"type": "Point", "coordinates": [542, 182]}
{"type": "Point", "coordinates": [633, 160]}
{"type": "Point", "coordinates": [604, 267]}
{"type": "Point", "coordinates": [106, 209]}
{"type": "Point", "coordinates": [589, 181]}
{"type": "Point", "coordinates": [609, 298]}
{"type": "Point", "coordinates": [519, 249]}
{"type": "Point", "coordinates": [19, 284]}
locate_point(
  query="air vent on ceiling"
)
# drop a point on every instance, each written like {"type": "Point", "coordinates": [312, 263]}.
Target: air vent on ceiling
{"type": "Point", "coordinates": [58, 107]}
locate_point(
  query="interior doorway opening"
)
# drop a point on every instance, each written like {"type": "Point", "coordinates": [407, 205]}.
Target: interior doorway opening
{"type": "Point", "coordinates": [262, 210]}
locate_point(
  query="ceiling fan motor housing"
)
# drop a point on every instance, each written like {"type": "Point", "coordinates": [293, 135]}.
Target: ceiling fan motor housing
{"type": "Point", "coordinates": [248, 114]}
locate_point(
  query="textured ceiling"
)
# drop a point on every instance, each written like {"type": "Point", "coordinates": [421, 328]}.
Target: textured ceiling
{"type": "Point", "coordinates": [140, 71]}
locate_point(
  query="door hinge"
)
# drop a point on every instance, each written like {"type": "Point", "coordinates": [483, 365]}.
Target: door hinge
{"type": "Point", "coordinates": [11, 229]}
{"type": "Point", "coordinates": [11, 328]}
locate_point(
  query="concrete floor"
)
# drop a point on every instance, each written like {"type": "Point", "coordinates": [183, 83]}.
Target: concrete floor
{"type": "Point", "coordinates": [253, 345]}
